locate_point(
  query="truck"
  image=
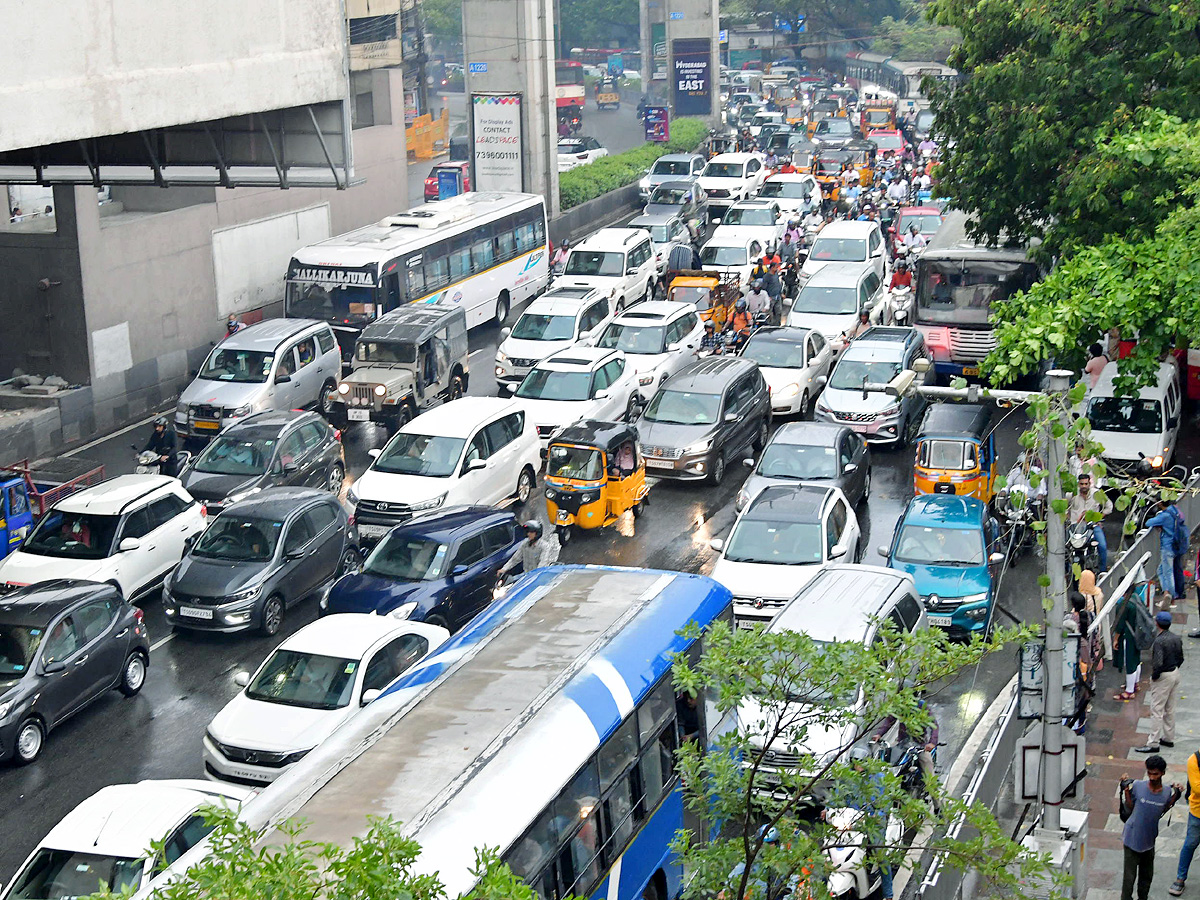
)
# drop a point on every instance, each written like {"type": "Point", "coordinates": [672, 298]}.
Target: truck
{"type": "Point", "coordinates": [28, 490]}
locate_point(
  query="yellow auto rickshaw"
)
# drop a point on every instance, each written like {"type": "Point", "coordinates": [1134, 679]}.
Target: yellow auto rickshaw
{"type": "Point", "coordinates": [827, 168]}
{"type": "Point", "coordinates": [704, 289]}
{"type": "Point", "coordinates": [863, 154]}
{"type": "Point", "coordinates": [956, 452]}
{"type": "Point", "coordinates": [594, 473]}
{"type": "Point", "coordinates": [608, 94]}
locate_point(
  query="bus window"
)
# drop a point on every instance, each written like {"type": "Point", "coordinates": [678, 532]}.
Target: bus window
{"type": "Point", "coordinates": [482, 254]}
{"type": "Point", "coordinates": [506, 240]}
{"type": "Point", "coordinates": [437, 272]}
{"type": "Point", "coordinates": [525, 238]}
{"type": "Point", "coordinates": [460, 262]}
{"type": "Point", "coordinates": [416, 282]}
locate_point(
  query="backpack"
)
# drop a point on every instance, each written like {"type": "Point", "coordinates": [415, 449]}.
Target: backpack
{"type": "Point", "coordinates": [1144, 628]}
{"type": "Point", "coordinates": [1124, 809]}
{"type": "Point", "coordinates": [1180, 538]}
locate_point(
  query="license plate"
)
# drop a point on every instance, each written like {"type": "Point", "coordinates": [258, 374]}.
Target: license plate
{"type": "Point", "coordinates": [358, 415]}
{"type": "Point", "coordinates": [192, 613]}
{"type": "Point", "coordinates": [207, 426]}
{"type": "Point", "coordinates": [971, 371]}
{"type": "Point", "coordinates": [374, 531]}
{"type": "Point", "coordinates": [939, 621]}
{"type": "Point", "coordinates": [659, 464]}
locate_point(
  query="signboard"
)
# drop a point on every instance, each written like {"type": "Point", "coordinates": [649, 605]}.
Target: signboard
{"type": "Point", "coordinates": [658, 124]}
{"type": "Point", "coordinates": [676, 15]}
{"type": "Point", "coordinates": [658, 49]}
{"type": "Point", "coordinates": [449, 183]}
{"type": "Point", "coordinates": [691, 84]}
{"type": "Point", "coordinates": [616, 65]}
{"type": "Point", "coordinates": [723, 36]}
{"type": "Point", "coordinates": [478, 68]}
{"type": "Point", "coordinates": [496, 126]}
{"type": "Point", "coordinates": [1033, 676]}
{"type": "Point", "coordinates": [332, 277]}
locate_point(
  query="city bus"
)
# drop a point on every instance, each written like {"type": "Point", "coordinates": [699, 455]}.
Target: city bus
{"type": "Point", "coordinates": [486, 251]}
{"type": "Point", "coordinates": [568, 85]}
{"type": "Point", "coordinates": [546, 728]}
{"type": "Point", "coordinates": [957, 280]}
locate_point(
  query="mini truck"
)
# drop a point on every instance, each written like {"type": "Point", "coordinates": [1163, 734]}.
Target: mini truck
{"type": "Point", "coordinates": [27, 491]}
{"type": "Point", "coordinates": [405, 362]}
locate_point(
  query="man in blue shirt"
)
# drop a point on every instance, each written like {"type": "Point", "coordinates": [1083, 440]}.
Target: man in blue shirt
{"type": "Point", "coordinates": [1168, 521]}
{"type": "Point", "coordinates": [1149, 802]}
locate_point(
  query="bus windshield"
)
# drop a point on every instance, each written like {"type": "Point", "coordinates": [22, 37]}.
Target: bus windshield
{"type": "Point", "coordinates": [309, 300]}
{"type": "Point", "coordinates": [956, 291]}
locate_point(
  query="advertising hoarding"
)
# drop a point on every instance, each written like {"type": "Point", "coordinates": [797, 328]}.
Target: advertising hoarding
{"type": "Point", "coordinates": [691, 82]}
{"type": "Point", "coordinates": [498, 154]}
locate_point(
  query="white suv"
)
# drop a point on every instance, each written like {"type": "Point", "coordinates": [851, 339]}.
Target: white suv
{"type": "Point", "coordinates": [617, 261]}
{"type": "Point", "coordinates": [730, 177]}
{"type": "Point", "coordinates": [554, 321]}
{"type": "Point", "coordinates": [658, 339]}
{"type": "Point", "coordinates": [846, 241]}
{"type": "Point", "coordinates": [129, 531]}
{"type": "Point", "coordinates": [579, 383]}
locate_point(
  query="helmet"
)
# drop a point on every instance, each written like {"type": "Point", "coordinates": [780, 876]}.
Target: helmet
{"type": "Point", "coordinates": [161, 421]}
{"type": "Point", "coordinates": [859, 753]}
{"type": "Point", "coordinates": [902, 264]}
{"type": "Point", "coordinates": [566, 243]}
{"type": "Point", "coordinates": [741, 304]}
{"type": "Point", "coordinates": [757, 284]}
{"type": "Point", "coordinates": [912, 227]}
{"type": "Point", "coordinates": [708, 323]}
{"type": "Point", "coordinates": [769, 834]}
{"type": "Point", "coordinates": [533, 525]}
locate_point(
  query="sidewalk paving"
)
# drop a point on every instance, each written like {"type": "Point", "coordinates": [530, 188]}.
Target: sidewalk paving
{"type": "Point", "coordinates": [1114, 729]}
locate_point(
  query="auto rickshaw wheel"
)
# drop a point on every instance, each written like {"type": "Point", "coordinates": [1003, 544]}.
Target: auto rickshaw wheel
{"type": "Point", "coordinates": [639, 508]}
{"type": "Point", "coordinates": [456, 388]}
{"type": "Point", "coordinates": [564, 534]}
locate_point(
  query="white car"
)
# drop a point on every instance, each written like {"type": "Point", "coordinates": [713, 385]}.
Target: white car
{"type": "Point", "coordinates": [780, 541]}
{"type": "Point", "coordinates": [792, 360]}
{"type": "Point", "coordinates": [554, 321]}
{"type": "Point", "coordinates": [318, 678]}
{"type": "Point", "coordinates": [472, 451]}
{"type": "Point", "coordinates": [730, 177]}
{"type": "Point", "coordinates": [578, 151]}
{"type": "Point", "coordinates": [667, 231]}
{"type": "Point", "coordinates": [796, 194]}
{"type": "Point", "coordinates": [731, 253]}
{"type": "Point", "coordinates": [579, 383]}
{"type": "Point", "coordinates": [658, 339]}
{"type": "Point", "coordinates": [831, 300]}
{"type": "Point", "coordinates": [765, 117]}
{"type": "Point", "coordinates": [128, 531]}
{"type": "Point", "coordinates": [760, 220]}
{"type": "Point", "coordinates": [618, 262]}
{"type": "Point", "coordinates": [105, 840]}
{"type": "Point", "coordinates": [846, 240]}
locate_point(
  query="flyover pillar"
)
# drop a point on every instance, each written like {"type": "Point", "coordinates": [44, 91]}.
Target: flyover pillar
{"type": "Point", "coordinates": [693, 57]}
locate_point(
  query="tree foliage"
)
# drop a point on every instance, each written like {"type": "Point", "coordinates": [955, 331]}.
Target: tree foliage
{"type": "Point", "coordinates": [914, 38]}
{"type": "Point", "coordinates": [443, 18]}
{"type": "Point", "coordinates": [789, 693]}
{"type": "Point", "coordinates": [599, 23]}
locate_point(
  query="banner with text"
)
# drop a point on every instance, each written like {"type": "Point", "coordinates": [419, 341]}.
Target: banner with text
{"type": "Point", "coordinates": [692, 78]}
{"type": "Point", "coordinates": [496, 124]}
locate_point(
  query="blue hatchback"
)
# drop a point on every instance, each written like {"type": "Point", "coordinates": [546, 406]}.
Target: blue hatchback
{"type": "Point", "coordinates": [438, 568]}
{"type": "Point", "coordinates": [950, 547]}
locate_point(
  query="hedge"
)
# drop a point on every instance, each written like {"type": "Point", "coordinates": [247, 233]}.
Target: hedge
{"type": "Point", "coordinates": [608, 173]}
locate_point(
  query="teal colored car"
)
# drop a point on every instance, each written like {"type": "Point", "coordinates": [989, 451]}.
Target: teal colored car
{"type": "Point", "coordinates": [950, 545]}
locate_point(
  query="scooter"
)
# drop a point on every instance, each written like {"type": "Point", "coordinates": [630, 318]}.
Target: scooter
{"type": "Point", "coordinates": [1020, 507]}
{"type": "Point", "coordinates": [1083, 549]}
{"type": "Point", "coordinates": [148, 462]}
{"type": "Point", "coordinates": [850, 875]}
{"type": "Point", "coordinates": [906, 766]}
{"type": "Point", "coordinates": [896, 308]}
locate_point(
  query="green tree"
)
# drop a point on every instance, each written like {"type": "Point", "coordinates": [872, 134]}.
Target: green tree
{"type": "Point", "coordinates": [914, 38]}
{"type": "Point", "coordinates": [789, 693]}
{"type": "Point", "coordinates": [599, 23]}
{"type": "Point", "coordinates": [443, 18]}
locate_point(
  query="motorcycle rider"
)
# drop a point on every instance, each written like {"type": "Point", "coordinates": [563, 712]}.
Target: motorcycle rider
{"type": "Point", "coordinates": [916, 240]}
{"type": "Point", "coordinates": [537, 551]}
{"type": "Point", "coordinates": [787, 168]}
{"type": "Point", "coordinates": [758, 300]}
{"type": "Point", "coordinates": [710, 343]}
{"type": "Point", "coordinates": [1087, 500]}
{"type": "Point", "coordinates": [813, 220]}
{"type": "Point", "coordinates": [928, 147]}
{"type": "Point", "coordinates": [901, 277]}
{"type": "Point", "coordinates": [741, 321]}
{"type": "Point", "coordinates": [162, 442]}
{"type": "Point", "coordinates": [897, 190]}
{"type": "Point", "coordinates": [787, 250]}
{"type": "Point", "coordinates": [856, 330]}
{"type": "Point", "coordinates": [929, 741]}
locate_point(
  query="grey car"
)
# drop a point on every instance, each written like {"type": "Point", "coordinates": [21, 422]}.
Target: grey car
{"type": "Point", "coordinates": [672, 167]}
{"type": "Point", "coordinates": [260, 557]}
{"type": "Point", "coordinates": [808, 452]}
{"type": "Point", "coordinates": [63, 645]}
{"type": "Point", "coordinates": [712, 411]}
{"type": "Point", "coordinates": [269, 449]}
{"type": "Point", "coordinates": [685, 199]}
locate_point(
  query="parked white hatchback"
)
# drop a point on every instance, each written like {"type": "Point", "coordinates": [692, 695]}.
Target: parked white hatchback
{"type": "Point", "coordinates": [470, 451]}
{"type": "Point", "coordinates": [658, 339]}
{"type": "Point", "coordinates": [318, 678]}
{"type": "Point", "coordinates": [128, 531]}
{"type": "Point", "coordinates": [105, 840]}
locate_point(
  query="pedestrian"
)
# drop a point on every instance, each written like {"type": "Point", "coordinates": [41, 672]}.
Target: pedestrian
{"type": "Point", "coordinates": [1166, 656]}
{"type": "Point", "coordinates": [1147, 803]}
{"type": "Point", "coordinates": [1126, 655]}
{"type": "Point", "coordinates": [1095, 365]}
{"type": "Point", "coordinates": [1192, 840]}
{"type": "Point", "coordinates": [1089, 656]}
{"type": "Point", "coordinates": [1167, 520]}
{"type": "Point", "coordinates": [537, 551]}
{"type": "Point", "coordinates": [1183, 538]}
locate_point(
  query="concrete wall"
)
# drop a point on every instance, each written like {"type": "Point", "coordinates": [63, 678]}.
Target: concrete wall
{"type": "Point", "coordinates": [97, 67]}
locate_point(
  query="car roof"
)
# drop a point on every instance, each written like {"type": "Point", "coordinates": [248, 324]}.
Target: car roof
{"type": "Point", "coordinates": [839, 273]}
{"type": "Point", "coordinates": [676, 184]}
{"type": "Point", "coordinates": [640, 313]}
{"type": "Point", "coordinates": [575, 358]}
{"type": "Point", "coordinates": [1167, 372]}
{"type": "Point", "coordinates": [852, 595]}
{"type": "Point", "coordinates": [596, 433]}
{"type": "Point", "coordinates": [920, 210]}
{"type": "Point", "coordinates": [848, 228]}
{"type": "Point", "coordinates": [458, 418]}
{"type": "Point", "coordinates": [678, 157]}
{"type": "Point", "coordinates": [348, 635]}
{"type": "Point", "coordinates": [792, 334]}
{"type": "Point", "coordinates": [271, 418]}
{"type": "Point", "coordinates": [809, 434]}
{"type": "Point", "coordinates": [710, 374]}
{"type": "Point", "coordinates": [37, 604]}
{"type": "Point", "coordinates": [661, 218]}
{"type": "Point", "coordinates": [733, 158]}
{"type": "Point", "coordinates": [799, 502]}
{"type": "Point", "coordinates": [753, 203]}
{"type": "Point", "coordinates": [611, 239]}
{"type": "Point", "coordinates": [122, 819]}
{"type": "Point", "coordinates": [451, 522]}
{"type": "Point", "coordinates": [569, 302]}
{"type": "Point", "coordinates": [269, 333]}
{"type": "Point", "coordinates": [109, 498]}
{"type": "Point", "coordinates": [414, 322]}
{"type": "Point", "coordinates": [277, 502]}
{"type": "Point", "coordinates": [886, 336]}
{"type": "Point", "coordinates": [944, 509]}
{"type": "Point", "coordinates": [955, 420]}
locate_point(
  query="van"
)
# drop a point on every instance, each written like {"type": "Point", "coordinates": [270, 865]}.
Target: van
{"type": "Point", "coordinates": [619, 262]}
{"type": "Point", "coordinates": [845, 241]}
{"type": "Point", "coordinates": [276, 364]}
{"type": "Point", "coordinates": [1139, 433]}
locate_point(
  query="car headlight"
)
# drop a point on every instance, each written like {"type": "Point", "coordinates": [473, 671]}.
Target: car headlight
{"type": "Point", "coordinates": [432, 503]}
{"type": "Point", "coordinates": [241, 495]}
{"type": "Point", "coordinates": [239, 412]}
{"type": "Point", "coordinates": [352, 495]}
{"type": "Point", "coordinates": [6, 707]}
{"type": "Point", "coordinates": [644, 184]}
{"type": "Point", "coordinates": [501, 356]}
{"type": "Point", "coordinates": [702, 447]}
{"type": "Point", "coordinates": [975, 598]}
{"type": "Point", "coordinates": [892, 410]}
{"type": "Point", "coordinates": [296, 757]}
{"type": "Point", "coordinates": [380, 390]}
{"type": "Point", "coordinates": [742, 499]}
{"type": "Point", "coordinates": [404, 610]}
{"type": "Point", "coordinates": [245, 594]}
{"type": "Point", "coordinates": [822, 408]}
{"type": "Point", "coordinates": [644, 380]}
{"type": "Point", "coordinates": [790, 390]}
{"type": "Point", "coordinates": [181, 408]}
{"type": "Point", "coordinates": [343, 388]}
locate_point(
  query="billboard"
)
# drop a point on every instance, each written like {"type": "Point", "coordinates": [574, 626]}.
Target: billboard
{"type": "Point", "coordinates": [496, 126]}
{"type": "Point", "coordinates": [691, 82]}
{"type": "Point", "coordinates": [658, 49]}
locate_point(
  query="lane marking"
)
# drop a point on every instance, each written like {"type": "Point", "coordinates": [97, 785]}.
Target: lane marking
{"type": "Point", "coordinates": [480, 350]}
{"type": "Point", "coordinates": [161, 641]}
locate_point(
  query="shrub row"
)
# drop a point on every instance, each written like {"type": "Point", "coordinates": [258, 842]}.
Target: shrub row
{"type": "Point", "coordinates": [609, 173]}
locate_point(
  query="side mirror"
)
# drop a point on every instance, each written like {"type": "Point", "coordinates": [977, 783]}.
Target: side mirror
{"type": "Point", "coordinates": [632, 270]}
{"type": "Point", "coordinates": [241, 679]}
{"type": "Point", "coordinates": [290, 469]}
{"type": "Point", "coordinates": [476, 464]}
{"type": "Point", "coordinates": [852, 467]}
{"type": "Point", "coordinates": [883, 550]}
{"type": "Point", "coordinates": [294, 553]}
{"type": "Point", "coordinates": [995, 559]}
{"type": "Point", "coordinates": [457, 571]}
{"type": "Point", "coordinates": [505, 331]}
{"type": "Point", "coordinates": [822, 380]}
{"type": "Point", "coordinates": [129, 544]}
{"type": "Point", "coordinates": [585, 335]}
{"type": "Point", "coordinates": [369, 695]}
{"type": "Point", "coordinates": [601, 394]}
{"type": "Point", "coordinates": [671, 348]}
{"type": "Point", "coordinates": [748, 462]}
{"type": "Point", "coordinates": [51, 668]}
{"type": "Point", "coordinates": [717, 544]}
{"type": "Point", "coordinates": [281, 378]}
{"type": "Point", "coordinates": [510, 387]}
{"type": "Point", "coordinates": [374, 452]}
{"type": "Point", "coordinates": [837, 552]}
{"type": "Point", "coordinates": [731, 417]}
{"type": "Point", "coordinates": [1172, 421]}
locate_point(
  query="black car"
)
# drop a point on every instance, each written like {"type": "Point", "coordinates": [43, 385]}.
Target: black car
{"type": "Point", "coordinates": [259, 557]}
{"type": "Point", "coordinates": [269, 449]}
{"type": "Point", "coordinates": [63, 644]}
{"type": "Point", "coordinates": [810, 452]}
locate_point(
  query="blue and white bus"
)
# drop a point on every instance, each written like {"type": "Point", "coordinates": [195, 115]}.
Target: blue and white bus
{"type": "Point", "coordinates": [547, 728]}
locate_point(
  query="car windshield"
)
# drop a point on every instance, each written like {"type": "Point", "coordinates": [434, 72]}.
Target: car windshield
{"type": "Point", "coordinates": [578, 463]}
{"type": "Point", "coordinates": [18, 646]}
{"type": "Point", "coordinates": [407, 557]}
{"type": "Point", "coordinates": [850, 373]}
{"type": "Point", "coordinates": [927, 223]}
{"type": "Point", "coordinates": [826, 301]}
{"type": "Point", "coordinates": [546, 384]}
{"type": "Point", "coordinates": [723, 256]}
{"type": "Point", "coordinates": [541, 327]}
{"type": "Point", "coordinates": [72, 535]}
{"type": "Point", "coordinates": [944, 454]}
{"type": "Point", "coordinates": [835, 126]}
{"type": "Point", "coordinates": [928, 545]}
{"type": "Point", "coordinates": [234, 454]}
{"type": "Point", "coordinates": [672, 167]}
{"type": "Point", "coordinates": [771, 542]}
{"type": "Point", "coordinates": [385, 352]}
{"type": "Point", "coordinates": [782, 460]}
{"type": "Point", "coordinates": [925, 120]}
{"type": "Point", "coordinates": [788, 190]}
{"type": "Point", "coordinates": [669, 196]}
{"type": "Point", "coordinates": [239, 539]}
{"type": "Point", "coordinates": [310, 680]}
{"type": "Point", "coordinates": [963, 291]}
{"type": "Point", "coordinates": [594, 262]}
{"type": "Point", "coordinates": [749, 216]}
{"type": "Point", "coordinates": [723, 170]}
{"type": "Point", "coordinates": [228, 364]}
{"type": "Point", "coordinates": [887, 141]}
{"type": "Point", "coordinates": [820, 692]}
{"type": "Point", "coordinates": [683, 408]}
{"type": "Point", "coordinates": [773, 353]}
{"type": "Point", "coordinates": [62, 874]}
{"type": "Point", "coordinates": [420, 454]}
{"type": "Point", "coordinates": [831, 249]}
{"type": "Point", "coordinates": [633, 338]}
{"type": "Point", "coordinates": [876, 117]}
{"type": "Point", "coordinates": [1125, 414]}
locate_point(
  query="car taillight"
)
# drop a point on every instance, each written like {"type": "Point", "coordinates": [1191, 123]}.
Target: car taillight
{"type": "Point", "coordinates": [337, 434]}
{"type": "Point", "coordinates": [581, 156]}
{"type": "Point", "coordinates": [204, 510]}
{"type": "Point", "coordinates": [138, 615]}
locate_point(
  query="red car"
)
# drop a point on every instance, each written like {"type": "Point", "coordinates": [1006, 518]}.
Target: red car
{"type": "Point", "coordinates": [887, 139]}
{"type": "Point", "coordinates": [928, 220]}
{"type": "Point", "coordinates": [431, 180]}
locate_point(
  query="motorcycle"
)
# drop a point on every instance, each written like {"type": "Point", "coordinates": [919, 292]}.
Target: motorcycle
{"type": "Point", "coordinates": [896, 309]}
{"type": "Point", "coordinates": [1018, 504]}
{"type": "Point", "coordinates": [851, 875]}
{"type": "Point", "coordinates": [905, 763]}
{"type": "Point", "coordinates": [147, 462]}
{"type": "Point", "coordinates": [1083, 550]}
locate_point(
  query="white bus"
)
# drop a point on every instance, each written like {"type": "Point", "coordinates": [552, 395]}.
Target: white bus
{"type": "Point", "coordinates": [486, 251]}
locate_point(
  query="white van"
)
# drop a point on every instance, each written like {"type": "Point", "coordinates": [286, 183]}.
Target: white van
{"type": "Point", "coordinates": [618, 262]}
{"type": "Point", "coordinates": [473, 451]}
{"type": "Point", "coordinates": [844, 241]}
{"type": "Point", "coordinates": [1139, 433]}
